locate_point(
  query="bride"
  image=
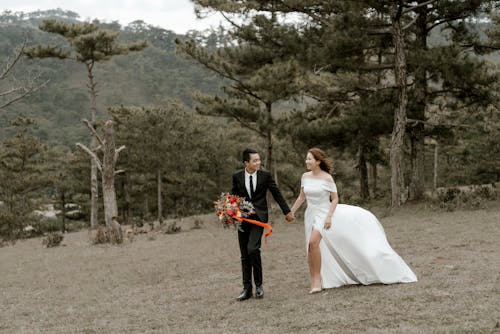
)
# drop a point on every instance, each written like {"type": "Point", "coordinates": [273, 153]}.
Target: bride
{"type": "Point", "coordinates": [345, 244]}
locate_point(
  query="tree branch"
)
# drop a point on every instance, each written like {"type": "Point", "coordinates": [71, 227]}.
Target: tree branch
{"type": "Point", "coordinates": [309, 13]}
{"type": "Point", "coordinates": [317, 71]}
{"type": "Point", "coordinates": [92, 155]}
{"type": "Point", "coordinates": [117, 152]}
{"type": "Point", "coordinates": [242, 87]}
{"type": "Point", "coordinates": [94, 132]}
{"type": "Point", "coordinates": [10, 65]}
{"type": "Point", "coordinates": [229, 20]}
{"type": "Point", "coordinates": [26, 92]}
{"type": "Point", "coordinates": [419, 121]}
{"type": "Point", "coordinates": [247, 125]}
{"type": "Point", "coordinates": [418, 6]}
{"type": "Point", "coordinates": [439, 22]}
{"type": "Point", "coordinates": [411, 22]}
{"type": "Point", "coordinates": [12, 91]}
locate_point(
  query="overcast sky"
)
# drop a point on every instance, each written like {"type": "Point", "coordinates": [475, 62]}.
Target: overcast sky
{"type": "Point", "coordinates": [176, 15]}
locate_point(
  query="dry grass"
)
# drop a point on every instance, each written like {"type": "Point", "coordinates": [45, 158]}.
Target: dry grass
{"type": "Point", "coordinates": [187, 282]}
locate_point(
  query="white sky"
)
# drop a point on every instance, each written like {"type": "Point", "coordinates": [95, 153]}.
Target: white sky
{"type": "Point", "coordinates": [176, 15]}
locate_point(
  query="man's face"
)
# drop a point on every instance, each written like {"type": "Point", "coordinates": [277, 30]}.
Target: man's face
{"type": "Point", "coordinates": [254, 163]}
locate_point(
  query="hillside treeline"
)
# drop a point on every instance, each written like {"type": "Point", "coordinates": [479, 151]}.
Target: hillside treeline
{"type": "Point", "coordinates": [282, 79]}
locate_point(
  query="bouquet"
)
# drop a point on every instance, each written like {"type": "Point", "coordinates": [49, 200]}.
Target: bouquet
{"type": "Point", "coordinates": [232, 209]}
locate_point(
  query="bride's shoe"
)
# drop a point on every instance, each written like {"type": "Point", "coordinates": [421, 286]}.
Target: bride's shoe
{"type": "Point", "coordinates": [315, 290]}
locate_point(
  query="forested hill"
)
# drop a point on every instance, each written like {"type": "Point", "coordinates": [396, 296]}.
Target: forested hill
{"type": "Point", "coordinates": [141, 78]}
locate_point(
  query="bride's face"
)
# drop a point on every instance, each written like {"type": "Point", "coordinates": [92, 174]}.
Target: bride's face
{"type": "Point", "coordinates": [311, 163]}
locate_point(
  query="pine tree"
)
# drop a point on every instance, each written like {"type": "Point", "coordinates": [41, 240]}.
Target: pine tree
{"type": "Point", "coordinates": [107, 166]}
{"type": "Point", "coordinates": [67, 172]}
{"type": "Point", "coordinates": [409, 23]}
{"type": "Point", "coordinates": [257, 78]}
{"type": "Point", "coordinates": [89, 44]}
{"type": "Point", "coordinates": [153, 135]}
{"type": "Point", "coordinates": [22, 176]}
{"type": "Point", "coordinates": [440, 70]}
{"type": "Point", "coordinates": [170, 161]}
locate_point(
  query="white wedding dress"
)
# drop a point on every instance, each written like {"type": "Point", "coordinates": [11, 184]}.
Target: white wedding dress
{"type": "Point", "coordinates": [355, 249]}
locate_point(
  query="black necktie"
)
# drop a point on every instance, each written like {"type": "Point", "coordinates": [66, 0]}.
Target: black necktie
{"type": "Point", "coordinates": [251, 187]}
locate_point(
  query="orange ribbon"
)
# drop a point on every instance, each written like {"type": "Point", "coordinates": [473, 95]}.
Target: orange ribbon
{"type": "Point", "coordinates": [237, 215]}
{"type": "Point", "coordinates": [258, 223]}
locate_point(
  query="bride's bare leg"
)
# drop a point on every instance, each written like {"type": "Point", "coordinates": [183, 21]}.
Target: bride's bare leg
{"type": "Point", "coordinates": [314, 259]}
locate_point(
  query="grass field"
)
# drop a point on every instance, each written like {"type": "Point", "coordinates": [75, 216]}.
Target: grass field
{"type": "Point", "coordinates": [187, 282]}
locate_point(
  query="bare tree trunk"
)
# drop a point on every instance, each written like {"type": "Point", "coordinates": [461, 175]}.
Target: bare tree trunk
{"type": "Point", "coordinates": [364, 192]}
{"type": "Point", "coordinates": [10, 222]}
{"type": "Point", "coordinates": [158, 184]}
{"type": "Point", "coordinates": [63, 212]}
{"type": "Point", "coordinates": [416, 186]}
{"type": "Point", "coordinates": [107, 168]}
{"type": "Point", "coordinates": [417, 133]}
{"type": "Point", "coordinates": [373, 166]}
{"type": "Point", "coordinates": [398, 133]}
{"type": "Point", "coordinates": [269, 138]}
{"type": "Point", "coordinates": [94, 186]}
{"type": "Point", "coordinates": [436, 148]}
{"type": "Point", "coordinates": [108, 183]}
{"type": "Point", "coordinates": [128, 199]}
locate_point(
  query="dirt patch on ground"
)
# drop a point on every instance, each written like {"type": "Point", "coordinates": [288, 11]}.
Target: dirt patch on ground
{"type": "Point", "coordinates": [187, 282]}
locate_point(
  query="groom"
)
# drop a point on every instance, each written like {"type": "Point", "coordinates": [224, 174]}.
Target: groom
{"type": "Point", "coordinates": [253, 184]}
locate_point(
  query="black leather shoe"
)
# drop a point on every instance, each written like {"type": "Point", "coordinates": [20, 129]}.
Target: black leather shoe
{"type": "Point", "coordinates": [259, 292]}
{"type": "Point", "coordinates": [245, 294]}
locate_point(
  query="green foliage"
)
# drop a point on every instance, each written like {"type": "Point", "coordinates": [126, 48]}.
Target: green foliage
{"type": "Point", "coordinates": [322, 78]}
{"type": "Point", "coordinates": [146, 77]}
{"type": "Point", "coordinates": [89, 42]}
{"type": "Point", "coordinates": [476, 198]}
{"type": "Point", "coordinates": [70, 175]}
{"type": "Point", "coordinates": [192, 153]}
{"type": "Point", "coordinates": [348, 59]}
{"type": "Point", "coordinates": [22, 176]}
{"type": "Point", "coordinates": [257, 78]}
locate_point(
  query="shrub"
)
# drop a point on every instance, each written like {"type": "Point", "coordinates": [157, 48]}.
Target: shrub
{"type": "Point", "coordinates": [52, 240]}
{"type": "Point", "coordinates": [102, 235]}
{"type": "Point", "coordinates": [99, 236]}
{"type": "Point", "coordinates": [46, 225]}
{"type": "Point", "coordinates": [197, 223]}
{"type": "Point", "coordinates": [173, 228]}
{"type": "Point", "coordinates": [473, 198]}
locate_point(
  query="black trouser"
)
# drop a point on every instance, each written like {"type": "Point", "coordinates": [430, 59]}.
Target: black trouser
{"type": "Point", "coordinates": [250, 240]}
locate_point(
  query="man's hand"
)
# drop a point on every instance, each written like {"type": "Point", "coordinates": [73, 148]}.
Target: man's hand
{"type": "Point", "coordinates": [290, 217]}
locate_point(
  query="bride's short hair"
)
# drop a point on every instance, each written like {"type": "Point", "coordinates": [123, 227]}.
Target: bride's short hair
{"type": "Point", "coordinates": [320, 155]}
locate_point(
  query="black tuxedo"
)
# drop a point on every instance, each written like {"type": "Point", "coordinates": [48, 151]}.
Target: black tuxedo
{"type": "Point", "coordinates": [250, 238]}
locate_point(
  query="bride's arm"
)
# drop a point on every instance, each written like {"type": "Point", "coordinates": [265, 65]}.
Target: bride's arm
{"type": "Point", "coordinates": [298, 201]}
{"type": "Point", "coordinates": [333, 204]}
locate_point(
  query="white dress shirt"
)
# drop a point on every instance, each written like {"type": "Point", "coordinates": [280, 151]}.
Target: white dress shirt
{"type": "Point", "coordinates": [247, 181]}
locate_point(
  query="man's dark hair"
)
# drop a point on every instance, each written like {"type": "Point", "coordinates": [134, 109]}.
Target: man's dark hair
{"type": "Point", "coordinates": [247, 152]}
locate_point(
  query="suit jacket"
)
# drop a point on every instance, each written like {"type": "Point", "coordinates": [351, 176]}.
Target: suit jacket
{"type": "Point", "coordinates": [265, 182]}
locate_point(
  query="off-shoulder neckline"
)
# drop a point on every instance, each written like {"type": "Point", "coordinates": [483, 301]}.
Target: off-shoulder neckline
{"type": "Point", "coordinates": [314, 178]}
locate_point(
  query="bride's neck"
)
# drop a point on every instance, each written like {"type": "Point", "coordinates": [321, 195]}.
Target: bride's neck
{"type": "Point", "coordinates": [316, 171]}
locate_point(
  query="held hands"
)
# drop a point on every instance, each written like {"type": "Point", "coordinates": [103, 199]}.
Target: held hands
{"type": "Point", "coordinates": [328, 223]}
{"type": "Point", "coordinates": [290, 217]}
